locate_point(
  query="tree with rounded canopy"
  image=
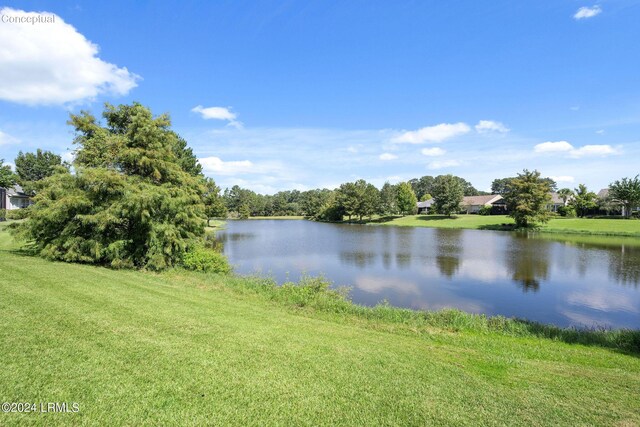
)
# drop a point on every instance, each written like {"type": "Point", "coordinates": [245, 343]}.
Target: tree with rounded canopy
{"type": "Point", "coordinates": [447, 193]}
{"type": "Point", "coordinates": [129, 204]}
{"type": "Point", "coordinates": [407, 201]}
{"type": "Point", "coordinates": [32, 167]}
{"type": "Point", "coordinates": [528, 198]}
{"type": "Point", "coordinates": [626, 192]}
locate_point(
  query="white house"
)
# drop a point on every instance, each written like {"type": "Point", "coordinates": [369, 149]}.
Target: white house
{"type": "Point", "coordinates": [14, 198]}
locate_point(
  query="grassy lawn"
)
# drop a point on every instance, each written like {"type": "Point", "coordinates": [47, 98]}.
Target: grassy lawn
{"type": "Point", "coordinates": [179, 348]}
{"type": "Point", "coordinates": [605, 226]}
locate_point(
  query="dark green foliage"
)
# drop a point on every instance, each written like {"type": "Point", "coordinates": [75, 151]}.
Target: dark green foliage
{"type": "Point", "coordinates": [389, 199]}
{"type": "Point", "coordinates": [358, 198]}
{"type": "Point", "coordinates": [447, 194]}
{"type": "Point", "coordinates": [583, 200]}
{"type": "Point", "coordinates": [130, 203]}
{"type": "Point", "coordinates": [425, 185]}
{"type": "Point", "coordinates": [3, 214]}
{"type": "Point", "coordinates": [186, 159]}
{"type": "Point", "coordinates": [422, 186]}
{"type": "Point", "coordinates": [331, 210]}
{"type": "Point", "coordinates": [503, 185]}
{"type": "Point", "coordinates": [32, 167]}
{"type": "Point", "coordinates": [7, 177]}
{"type": "Point", "coordinates": [627, 193]}
{"type": "Point", "coordinates": [213, 202]}
{"type": "Point", "coordinates": [19, 213]}
{"type": "Point", "coordinates": [313, 202]}
{"type": "Point", "coordinates": [206, 260]}
{"type": "Point", "coordinates": [484, 210]}
{"type": "Point", "coordinates": [406, 199]}
{"type": "Point", "coordinates": [527, 199]}
{"type": "Point", "coordinates": [567, 211]}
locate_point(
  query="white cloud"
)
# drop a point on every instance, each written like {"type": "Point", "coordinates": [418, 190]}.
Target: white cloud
{"type": "Point", "coordinates": [441, 164]}
{"type": "Point", "coordinates": [594, 150]}
{"type": "Point", "coordinates": [553, 147]}
{"type": "Point", "coordinates": [6, 139]}
{"type": "Point", "coordinates": [584, 151]}
{"type": "Point", "coordinates": [563, 178]}
{"type": "Point", "coordinates": [600, 131]}
{"type": "Point", "coordinates": [432, 152]}
{"type": "Point", "coordinates": [587, 12]}
{"type": "Point", "coordinates": [216, 165]}
{"type": "Point", "coordinates": [218, 113]}
{"type": "Point", "coordinates": [437, 133]}
{"type": "Point", "coordinates": [52, 63]}
{"type": "Point", "coordinates": [388, 156]}
{"type": "Point", "coordinates": [486, 126]}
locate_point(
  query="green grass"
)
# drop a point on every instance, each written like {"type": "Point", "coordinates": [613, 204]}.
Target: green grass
{"type": "Point", "coordinates": [602, 226]}
{"type": "Point", "coordinates": [182, 348]}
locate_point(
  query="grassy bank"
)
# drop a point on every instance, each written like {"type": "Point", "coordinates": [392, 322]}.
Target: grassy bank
{"type": "Point", "coordinates": [598, 226]}
{"type": "Point", "coordinates": [183, 348]}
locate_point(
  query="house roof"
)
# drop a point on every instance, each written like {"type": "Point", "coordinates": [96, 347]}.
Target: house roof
{"type": "Point", "coordinates": [556, 199]}
{"type": "Point", "coordinates": [16, 191]}
{"type": "Point", "coordinates": [481, 200]}
{"type": "Point", "coordinates": [425, 204]}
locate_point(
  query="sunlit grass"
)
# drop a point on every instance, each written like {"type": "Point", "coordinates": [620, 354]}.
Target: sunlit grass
{"type": "Point", "coordinates": [184, 348]}
{"type": "Point", "coordinates": [604, 226]}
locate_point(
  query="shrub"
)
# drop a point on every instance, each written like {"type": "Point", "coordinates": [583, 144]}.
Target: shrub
{"type": "Point", "coordinates": [207, 260]}
{"type": "Point", "coordinates": [3, 214]}
{"type": "Point", "coordinates": [484, 210]}
{"type": "Point", "coordinates": [567, 211]}
{"type": "Point", "coordinates": [18, 213]}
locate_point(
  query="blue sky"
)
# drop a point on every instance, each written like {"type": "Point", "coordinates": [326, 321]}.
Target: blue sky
{"type": "Point", "coordinates": [306, 94]}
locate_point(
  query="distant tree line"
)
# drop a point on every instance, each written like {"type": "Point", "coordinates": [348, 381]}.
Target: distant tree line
{"type": "Point", "coordinates": [357, 199]}
{"type": "Point", "coordinates": [135, 195]}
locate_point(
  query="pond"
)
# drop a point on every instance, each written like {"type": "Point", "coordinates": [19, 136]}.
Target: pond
{"type": "Point", "coordinates": [566, 280]}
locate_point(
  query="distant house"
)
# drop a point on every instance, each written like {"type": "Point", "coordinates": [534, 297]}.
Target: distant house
{"type": "Point", "coordinates": [472, 204]}
{"type": "Point", "coordinates": [14, 198]}
{"type": "Point", "coordinates": [423, 207]}
{"type": "Point", "coordinates": [556, 202]}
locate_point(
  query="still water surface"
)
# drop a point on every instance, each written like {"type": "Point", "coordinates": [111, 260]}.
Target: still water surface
{"type": "Point", "coordinates": [559, 279]}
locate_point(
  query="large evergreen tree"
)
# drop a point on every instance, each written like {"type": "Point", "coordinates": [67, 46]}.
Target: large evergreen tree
{"type": "Point", "coordinates": [130, 202]}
